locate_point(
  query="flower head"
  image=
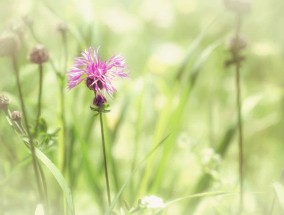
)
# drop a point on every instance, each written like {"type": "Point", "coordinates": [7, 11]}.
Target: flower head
{"type": "Point", "coordinates": [16, 116]}
{"type": "Point", "coordinates": [97, 74]}
{"type": "Point", "coordinates": [4, 102]}
{"type": "Point", "coordinates": [39, 54]}
{"type": "Point", "coordinates": [9, 44]}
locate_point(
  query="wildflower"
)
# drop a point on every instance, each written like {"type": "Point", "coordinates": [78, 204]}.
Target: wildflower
{"type": "Point", "coordinates": [9, 44]}
{"type": "Point", "coordinates": [97, 74]}
{"type": "Point", "coordinates": [39, 54]}
{"type": "Point", "coordinates": [152, 202]}
{"type": "Point", "coordinates": [4, 102]}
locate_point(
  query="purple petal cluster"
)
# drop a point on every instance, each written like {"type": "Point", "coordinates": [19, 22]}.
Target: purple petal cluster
{"type": "Point", "coordinates": [97, 74]}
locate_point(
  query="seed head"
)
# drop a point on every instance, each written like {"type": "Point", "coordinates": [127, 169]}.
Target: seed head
{"type": "Point", "coordinates": [4, 102]}
{"type": "Point", "coordinates": [39, 54]}
{"type": "Point", "coordinates": [9, 44]}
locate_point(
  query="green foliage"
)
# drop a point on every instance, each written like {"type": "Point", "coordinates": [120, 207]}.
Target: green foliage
{"type": "Point", "coordinates": [170, 129]}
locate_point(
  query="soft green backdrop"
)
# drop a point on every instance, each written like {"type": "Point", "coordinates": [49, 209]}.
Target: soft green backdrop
{"type": "Point", "coordinates": [156, 37]}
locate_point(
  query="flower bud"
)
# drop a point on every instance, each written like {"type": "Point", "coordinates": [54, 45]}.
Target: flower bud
{"type": "Point", "coordinates": [9, 44]}
{"type": "Point", "coordinates": [4, 102]}
{"type": "Point", "coordinates": [39, 54]}
{"type": "Point", "coordinates": [99, 100]}
{"type": "Point", "coordinates": [62, 28]}
{"type": "Point", "coordinates": [16, 116]}
{"type": "Point", "coordinates": [237, 43]}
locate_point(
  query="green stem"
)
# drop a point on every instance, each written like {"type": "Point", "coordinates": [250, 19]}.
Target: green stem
{"type": "Point", "coordinates": [105, 158]}
{"type": "Point", "coordinates": [39, 98]}
{"type": "Point", "coordinates": [240, 124]}
{"type": "Point", "coordinates": [62, 144]}
{"type": "Point", "coordinates": [240, 138]}
{"type": "Point", "coordinates": [32, 147]}
{"type": "Point", "coordinates": [17, 125]}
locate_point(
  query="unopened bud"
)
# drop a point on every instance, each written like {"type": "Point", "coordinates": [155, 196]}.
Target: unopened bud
{"type": "Point", "coordinates": [4, 102]}
{"type": "Point", "coordinates": [16, 116]}
{"type": "Point", "coordinates": [9, 44]}
{"type": "Point", "coordinates": [39, 54]}
{"type": "Point", "coordinates": [99, 100]}
{"type": "Point", "coordinates": [237, 43]}
{"type": "Point", "coordinates": [62, 28]}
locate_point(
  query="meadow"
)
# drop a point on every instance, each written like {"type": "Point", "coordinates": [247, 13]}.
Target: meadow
{"type": "Point", "coordinates": [196, 127]}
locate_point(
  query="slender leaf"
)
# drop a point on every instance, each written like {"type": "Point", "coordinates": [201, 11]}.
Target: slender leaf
{"type": "Point", "coordinates": [59, 178]}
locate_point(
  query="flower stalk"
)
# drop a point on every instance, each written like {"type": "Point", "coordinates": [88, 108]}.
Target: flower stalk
{"type": "Point", "coordinates": [40, 69]}
{"type": "Point", "coordinates": [239, 8]}
{"type": "Point", "coordinates": [105, 158]}
{"type": "Point", "coordinates": [98, 76]}
{"type": "Point", "coordinates": [40, 181]}
{"type": "Point", "coordinates": [39, 55]}
{"type": "Point", "coordinates": [239, 114]}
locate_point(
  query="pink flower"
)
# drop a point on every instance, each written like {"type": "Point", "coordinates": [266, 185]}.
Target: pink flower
{"type": "Point", "coordinates": [97, 74]}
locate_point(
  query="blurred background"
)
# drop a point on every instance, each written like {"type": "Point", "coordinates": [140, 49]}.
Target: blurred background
{"type": "Point", "coordinates": [179, 97]}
